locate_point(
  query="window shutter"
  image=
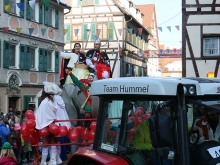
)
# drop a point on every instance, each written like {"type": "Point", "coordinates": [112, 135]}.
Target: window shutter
{"type": "Point", "coordinates": [22, 57]}
{"type": "Point", "coordinates": [6, 2]}
{"type": "Point", "coordinates": [40, 13]}
{"type": "Point", "coordinates": [130, 33]}
{"type": "Point", "coordinates": [56, 62]}
{"type": "Point", "coordinates": [26, 102]}
{"type": "Point", "coordinates": [96, 2]}
{"type": "Point", "coordinates": [21, 12]}
{"type": "Point", "coordinates": [85, 36]}
{"type": "Point", "coordinates": [68, 34]}
{"type": "Point", "coordinates": [79, 2]}
{"type": "Point", "coordinates": [28, 11]}
{"type": "Point", "coordinates": [46, 15]}
{"type": "Point", "coordinates": [27, 57]}
{"type": "Point", "coordinates": [93, 31]}
{"type": "Point", "coordinates": [111, 34]}
{"type": "Point", "coordinates": [135, 39]}
{"type": "Point", "coordinates": [41, 59]}
{"type": "Point", "coordinates": [45, 61]}
{"type": "Point", "coordinates": [56, 18]}
{"type": "Point", "coordinates": [6, 55]}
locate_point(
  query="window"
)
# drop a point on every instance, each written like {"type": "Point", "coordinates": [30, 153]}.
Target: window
{"type": "Point", "coordinates": [77, 32]}
{"type": "Point", "coordinates": [104, 30]}
{"type": "Point", "coordinates": [128, 36]}
{"type": "Point", "coordinates": [11, 55]}
{"type": "Point", "coordinates": [13, 6]}
{"type": "Point", "coordinates": [50, 16]}
{"type": "Point", "coordinates": [87, 2]}
{"type": "Point", "coordinates": [32, 58]}
{"type": "Point", "coordinates": [211, 46]}
{"type": "Point", "coordinates": [30, 12]}
{"type": "Point", "coordinates": [49, 61]}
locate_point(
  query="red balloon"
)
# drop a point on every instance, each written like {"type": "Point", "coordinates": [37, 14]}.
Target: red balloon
{"type": "Point", "coordinates": [80, 130]}
{"type": "Point", "coordinates": [63, 131]}
{"type": "Point", "coordinates": [31, 130]}
{"type": "Point", "coordinates": [93, 126]}
{"type": "Point", "coordinates": [43, 132]}
{"type": "Point", "coordinates": [70, 129]}
{"type": "Point", "coordinates": [73, 135]}
{"type": "Point", "coordinates": [24, 129]}
{"type": "Point", "coordinates": [139, 111]}
{"type": "Point", "coordinates": [85, 135]}
{"type": "Point", "coordinates": [91, 135]}
{"type": "Point", "coordinates": [30, 123]}
{"type": "Point", "coordinates": [33, 139]}
{"type": "Point", "coordinates": [53, 128]}
{"type": "Point", "coordinates": [30, 114]}
{"type": "Point", "coordinates": [25, 137]}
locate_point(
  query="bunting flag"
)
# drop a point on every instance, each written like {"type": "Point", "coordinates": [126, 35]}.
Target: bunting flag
{"type": "Point", "coordinates": [113, 52]}
{"type": "Point", "coordinates": [169, 28]}
{"type": "Point", "coordinates": [46, 3]}
{"type": "Point", "coordinates": [120, 52]}
{"type": "Point", "coordinates": [140, 53]}
{"type": "Point", "coordinates": [7, 8]}
{"type": "Point", "coordinates": [98, 31]}
{"type": "Point", "coordinates": [126, 52]}
{"type": "Point", "coordinates": [178, 27]}
{"type": "Point", "coordinates": [109, 31]}
{"type": "Point", "coordinates": [149, 29]}
{"type": "Point", "coordinates": [31, 30]}
{"type": "Point", "coordinates": [130, 30]}
{"type": "Point", "coordinates": [165, 51]}
{"type": "Point", "coordinates": [65, 31]}
{"type": "Point", "coordinates": [18, 30]}
{"type": "Point", "coordinates": [43, 30]}
{"type": "Point", "coordinates": [20, 6]}
{"type": "Point", "coordinates": [5, 29]}
{"type": "Point", "coordinates": [160, 28]}
{"type": "Point", "coordinates": [32, 3]}
{"type": "Point", "coordinates": [140, 30]}
{"type": "Point", "coordinates": [58, 1]}
{"type": "Point", "coordinates": [76, 31]}
{"type": "Point", "coordinates": [120, 31]}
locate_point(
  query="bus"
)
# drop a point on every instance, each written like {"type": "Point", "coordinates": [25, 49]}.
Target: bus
{"type": "Point", "coordinates": [167, 110]}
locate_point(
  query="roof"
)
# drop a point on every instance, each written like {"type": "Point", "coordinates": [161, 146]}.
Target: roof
{"type": "Point", "coordinates": [63, 3]}
{"type": "Point", "coordinates": [166, 86]}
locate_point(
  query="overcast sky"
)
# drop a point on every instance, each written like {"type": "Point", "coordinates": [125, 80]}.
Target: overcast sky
{"type": "Point", "coordinates": [165, 11]}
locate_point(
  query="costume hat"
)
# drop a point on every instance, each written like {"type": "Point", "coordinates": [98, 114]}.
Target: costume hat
{"type": "Point", "coordinates": [6, 145]}
{"type": "Point", "coordinates": [17, 127]}
{"type": "Point", "coordinates": [97, 40]}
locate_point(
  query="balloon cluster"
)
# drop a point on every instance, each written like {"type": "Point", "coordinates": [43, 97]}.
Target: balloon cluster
{"type": "Point", "coordinates": [32, 135]}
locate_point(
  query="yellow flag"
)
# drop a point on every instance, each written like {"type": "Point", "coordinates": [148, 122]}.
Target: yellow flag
{"type": "Point", "coordinates": [65, 31]}
{"type": "Point", "coordinates": [7, 8]}
{"type": "Point", "coordinates": [149, 29]}
{"type": "Point", "coordinates": [18, 30]}
{"type": "Point", "coordinates": [126, 52]}
{"type": "Point", "coordinates": [109, 31]}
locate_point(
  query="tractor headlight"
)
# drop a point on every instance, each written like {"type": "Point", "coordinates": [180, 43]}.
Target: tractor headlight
{"type": "Point", "coordinates": [184, 89]}
{"type": "Point", "coordinates": [189, 89]}
{"type": "Point", "coordinates": [192, 90]}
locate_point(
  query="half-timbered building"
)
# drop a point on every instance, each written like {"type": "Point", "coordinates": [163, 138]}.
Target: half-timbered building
{"type": "Point", "coordinates": [201, 37]}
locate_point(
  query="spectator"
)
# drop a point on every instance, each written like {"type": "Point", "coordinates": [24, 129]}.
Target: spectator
{"type": "Point", "coordinates": [4, 130]}
{"type": "Point", "coordinates": [7, 156]}
{"type": "Point", "coordinates": [10, 112]}
{"type": "Point", "coordinates": [17, 117]}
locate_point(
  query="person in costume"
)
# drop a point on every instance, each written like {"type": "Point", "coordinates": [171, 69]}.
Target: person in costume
{"type": "Point", "coordinates": [45, 115]}
{"type": "Point", "coordinates": [75, 62]}
{"type": "Point", "coordinates": [97, 57]}
{"type": "Point", "coordinates": [7, 155]}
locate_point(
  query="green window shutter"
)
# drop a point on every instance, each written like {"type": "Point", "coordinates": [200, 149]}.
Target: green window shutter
{"type": "Point", "coordinates": [135, 39]}
{"type": "Point", "coordinates": [46, 15]}
{"type": "Point", "coordinates": [111, 26]}
{"type": "Point", "coordinates": [96, 2]}
{"type": "Point", "coordinates": [6, 2]}
{"type": "Point", "coordinates": [85, 36]}
{"type": "Point", "coordinates": [56, 62]}
{"type": "Point", "coordinates": [26, 102]}
{"type": "Point", "coordinates": [21, 12]}
{"type": "Point", "coordinates": [45, 61]}
{"type": "Point", "coordinates": [56, 18]}
{"type": "Point", "coordinates": [68, 35]}
{"type": "Point", "coordinates": [27, 57]}
{"type": "Point", "coordinates": [6, 55]}
{"type": "Point", "coordinates": [22, 57]}
{"type": "Point", "coordinates": [130, 37]}
{"type": "Point", "coordinates": [93, 31]}
{"type": "Point", "coordinates": [79, 2]}
{"type": "Point", "coordinates": [40, 13]}
{"type": "Point", "coordinates": [41, 59]}
{"type": "Point", "coordinates": [28, 11]}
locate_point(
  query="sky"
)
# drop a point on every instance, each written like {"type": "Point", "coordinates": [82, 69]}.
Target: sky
{"type": "Point", "coordinates": [168, 13]}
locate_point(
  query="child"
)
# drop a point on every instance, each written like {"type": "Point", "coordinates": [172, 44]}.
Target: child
{"type": "Point", "coordinates": [7, 156]}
